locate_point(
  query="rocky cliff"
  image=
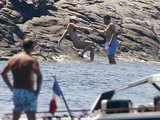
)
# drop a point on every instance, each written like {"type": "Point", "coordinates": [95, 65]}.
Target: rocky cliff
{"type": "Point", "coordinates": [137, 23]}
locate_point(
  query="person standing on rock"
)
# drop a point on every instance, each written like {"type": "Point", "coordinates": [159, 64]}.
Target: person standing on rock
{"type": "Point", "coordinates": [111, 43]}
{"type": "Point", "coordinates": [23, 68]}
{"type": "Point", "coordinates": [77, 43]}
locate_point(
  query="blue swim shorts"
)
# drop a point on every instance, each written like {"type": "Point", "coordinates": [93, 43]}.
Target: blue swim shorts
{"type": "Point", "coordinates": [111, 50]}
{"type": "Point", "coordinates": [24, 100]}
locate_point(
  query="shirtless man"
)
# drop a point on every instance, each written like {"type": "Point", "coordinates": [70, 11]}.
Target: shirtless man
{"type": "Point", "coordinates": [111, 42]}
{"type": "Point", "coordinates": [77, 43]}
{"type": "Point", "coordinates": [23, 68]}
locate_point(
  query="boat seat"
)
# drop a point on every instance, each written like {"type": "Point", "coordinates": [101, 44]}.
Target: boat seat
{"type": "Point", "coordinates": [116, 106]}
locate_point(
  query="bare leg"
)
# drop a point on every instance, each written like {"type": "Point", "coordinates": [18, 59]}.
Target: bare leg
{"type": "Point", "coordinates": [84, 50]}
{"type": "Point", "coordinates": [111, 59]}
{"type": "Point", "coordinates": [92, 54]}
{"type": "Point", "coordinates": [16, 115]}
{"type": "Point", "coordinates": [31, 115]}
{"type": "Point", "coordinates": [89, 48]}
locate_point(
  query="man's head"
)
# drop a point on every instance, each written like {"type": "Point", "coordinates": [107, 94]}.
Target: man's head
{"type": "Point", "coordinates": [73, 19]}
{"type": "Point", "coordinates": [28, 45]}
{"type": "Point", "coordinates": [107, 19]}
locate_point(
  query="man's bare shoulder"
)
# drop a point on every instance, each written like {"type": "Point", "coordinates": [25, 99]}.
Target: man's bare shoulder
{"type": "Point", "coordinates": [71, 25]}
{"type": "Point", "coordinates": [112, 25]}
{"type": "Point", "coordinates": [12, 60]}
{"type": "Point", "coordinates": [23, 57]}
{"type": "Point", "coordinates": [68, 26]}
{"type": "Point", "coordinates": [14, 57]}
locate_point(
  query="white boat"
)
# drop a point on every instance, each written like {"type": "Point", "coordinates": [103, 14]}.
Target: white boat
{"type": "Point", "coordinates": [106, 108]}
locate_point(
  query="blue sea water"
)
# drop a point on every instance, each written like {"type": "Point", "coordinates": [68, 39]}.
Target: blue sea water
{"type": "Point", "coordinates": [82, 82]}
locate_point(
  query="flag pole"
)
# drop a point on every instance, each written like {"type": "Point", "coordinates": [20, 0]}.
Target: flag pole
{"type": "Point", "coordinates": [67, 107]}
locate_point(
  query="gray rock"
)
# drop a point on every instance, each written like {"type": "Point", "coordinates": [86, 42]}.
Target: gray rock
{"type": "Point", "coordinates": [137, 23]}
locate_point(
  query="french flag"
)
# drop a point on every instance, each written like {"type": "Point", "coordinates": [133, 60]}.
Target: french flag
{"type": "Point", "coordinates": [56, 96]}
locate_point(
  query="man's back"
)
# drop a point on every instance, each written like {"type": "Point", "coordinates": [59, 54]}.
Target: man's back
{"type": "Point", "coordinates": [22, 67]}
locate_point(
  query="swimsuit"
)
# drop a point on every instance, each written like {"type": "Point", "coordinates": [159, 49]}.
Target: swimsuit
{"type": "Point", "coordinates": [24, 100]}
{"type": "Point", "coordinates": [111, 50]}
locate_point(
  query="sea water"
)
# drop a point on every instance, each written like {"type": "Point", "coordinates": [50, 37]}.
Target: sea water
{"type": "Point", "coordinates": [82, 82]}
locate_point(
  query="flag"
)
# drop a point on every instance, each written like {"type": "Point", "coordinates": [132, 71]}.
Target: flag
{"type": "Point", "coordinates": [56, 89]}
{"type": "Point", "coordinates": [52, 106]}
{"type": "Point", "coordinates": [56, 96]}
{"type": "Point", "coordinates": [57, 93]}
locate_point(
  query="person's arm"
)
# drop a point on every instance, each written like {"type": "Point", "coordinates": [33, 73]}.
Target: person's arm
{"type": "Point", "coordinates": [82, 28]}
{"type": "Point", "coordinates": [4, 74]}
{"type": "Point", "coordinates": [110, 42]}
{"type": "Point", "coordinates": [92, 28]}
{"type": "Point", "coordinates": [100, 31]}
{"type": "Point", "coordinates": [39, 76]}
{"type": "Point", "coordinates": [64, 34]}
{"type": "Point", "coordinates": [112, 28]}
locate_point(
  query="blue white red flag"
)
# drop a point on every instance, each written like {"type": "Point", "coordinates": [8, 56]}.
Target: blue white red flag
{"type": "Point", "coordinates": [55, 98]}
{"type": "Point", "coordinates": [56, 89]}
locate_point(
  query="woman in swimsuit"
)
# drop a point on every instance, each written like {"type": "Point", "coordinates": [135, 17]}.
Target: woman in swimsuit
{"type": "Point", "coordinates": [77, 43]}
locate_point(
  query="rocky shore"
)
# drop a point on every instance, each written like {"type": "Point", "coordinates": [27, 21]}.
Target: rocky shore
{"type": "Point", "coordinates": [137, 22]}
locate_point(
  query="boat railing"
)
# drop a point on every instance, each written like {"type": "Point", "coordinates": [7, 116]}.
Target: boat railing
{"type": "Point", "coordinates": [59, 115]}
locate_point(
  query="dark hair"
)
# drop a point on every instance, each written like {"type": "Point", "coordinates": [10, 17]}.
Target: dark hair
{"type": "Point", "coordinates": [28, 44]}
{"type": "Point", "coordinates": [107, 17]}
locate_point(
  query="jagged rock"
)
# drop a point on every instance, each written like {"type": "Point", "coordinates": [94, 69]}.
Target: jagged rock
{"type": "Point", "coordinates": [137, 23]}
{"type": "Point", "coordinates": [12, 15]}
{"type": "Point", "coordinates": [44, 21]}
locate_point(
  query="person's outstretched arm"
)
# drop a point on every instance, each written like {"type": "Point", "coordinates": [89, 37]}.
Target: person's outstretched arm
{"type": "Point", "coordinates": [64, 34]}
{"type": "Point", "coordinates": [94, 29]}
{"type": "Point", "coordinates": [99, 31]}
{"type": "Point", "coordinates": [82, 28]}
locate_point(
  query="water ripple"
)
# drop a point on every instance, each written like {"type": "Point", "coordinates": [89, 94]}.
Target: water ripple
{"type": "Point", "coordinates": [81, 83]}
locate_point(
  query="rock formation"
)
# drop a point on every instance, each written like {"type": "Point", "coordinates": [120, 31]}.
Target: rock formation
{"type": "Point", "coordinates": [137, 22]}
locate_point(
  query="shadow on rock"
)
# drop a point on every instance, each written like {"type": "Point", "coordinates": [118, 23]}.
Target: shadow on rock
{"type": "Point", "coordinates": [28, 11]}
{"type": "Point", "coordinates": [25, 12]}
{"type": "Point", "coordinates": [10, 28]}
{"type": "Point", "coordinates": [50, 7]}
